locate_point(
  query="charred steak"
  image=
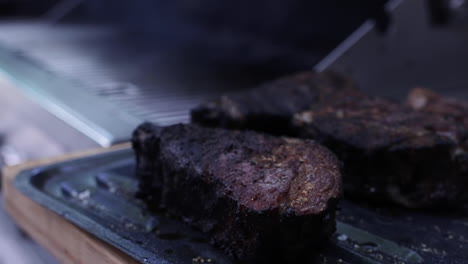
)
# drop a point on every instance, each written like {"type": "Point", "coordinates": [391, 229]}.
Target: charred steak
{"type": "Point", "coordinates": [270, 107]}
{"type": "Point", "coordinates": [258, 197]}
{"type": "Point", "coordinates": [390, 151]}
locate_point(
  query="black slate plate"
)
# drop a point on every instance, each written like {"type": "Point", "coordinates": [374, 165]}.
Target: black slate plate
{"type": "Point", "coordinates": [97, 194]}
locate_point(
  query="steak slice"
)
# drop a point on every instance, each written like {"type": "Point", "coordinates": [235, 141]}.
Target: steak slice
{"type": "Point", "coordinates": [390, 151]}
{"type": "Point", "coordinates": [270, 107]}
{"type": "Point", "coordinates": [258, 197]}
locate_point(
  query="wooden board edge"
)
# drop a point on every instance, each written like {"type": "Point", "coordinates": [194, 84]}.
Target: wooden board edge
{"type": "Point", "coordinates": [67, 242]}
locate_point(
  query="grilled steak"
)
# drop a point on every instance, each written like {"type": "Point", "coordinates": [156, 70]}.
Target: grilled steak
{"type": "Point", "coordinates": [390, 152]}
{"type": "Point", "coordinates": [425, 100]}
{"type": "Point", "coordinates": [260, 198]}
{"type": "Point", "coordinates": [270, 107]}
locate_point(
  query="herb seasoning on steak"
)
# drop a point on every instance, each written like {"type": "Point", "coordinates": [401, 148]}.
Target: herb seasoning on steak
{"type": "Point", "coordinates": [259, 197]}
{"type": "Point", "coordinates": [390, 151]}
{"type": "Point", "coordinates": [270, 107]}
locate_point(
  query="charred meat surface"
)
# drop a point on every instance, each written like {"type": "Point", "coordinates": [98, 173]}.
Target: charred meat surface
{"type": "Point", "coordinates": [390, 152]}
{"type": "Point", "coordinates": [260, 198]}
{"type": "Point", "coordinates": [271, 106]}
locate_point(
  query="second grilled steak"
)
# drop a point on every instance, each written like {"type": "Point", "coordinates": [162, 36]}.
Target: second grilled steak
{"type": "Point", "coordinates": [260, 198]}
{"type": "Point", "coordinates": [390, 152]}
{"type": "Point", "coordinates": [270, 107]}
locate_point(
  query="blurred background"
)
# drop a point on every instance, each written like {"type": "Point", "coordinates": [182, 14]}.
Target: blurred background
{"type": "Point", "coordinates": [76, 74]}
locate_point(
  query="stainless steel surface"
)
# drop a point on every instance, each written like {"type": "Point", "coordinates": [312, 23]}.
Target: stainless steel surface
{"type": "Point", "coordinates": [102, 81]}
{"type": "Point", "coordinates": [413, 53]}
{"type": "Point", "coordinates": [65, 98]}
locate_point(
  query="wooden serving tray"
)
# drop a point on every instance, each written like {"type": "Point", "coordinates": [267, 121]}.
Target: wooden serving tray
{"type": "Point", "coordinates": [67, 242]}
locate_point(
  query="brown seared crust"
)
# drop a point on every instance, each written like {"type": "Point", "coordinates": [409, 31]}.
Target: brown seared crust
{"type": "Point", "coordinates": [271, 106]}
{"type": "Point", "coordinates": [374, 123]}
{"type": "Point", "coordinates": [257, 196]}
{"type": "Point", "coordinates": [390, 152]}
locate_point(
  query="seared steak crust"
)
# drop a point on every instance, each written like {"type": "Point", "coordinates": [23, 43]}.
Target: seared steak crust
{"type": "Point", "coordinates": [390, 152]}
{"type": "Point", "coordinates": [257, 196]}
